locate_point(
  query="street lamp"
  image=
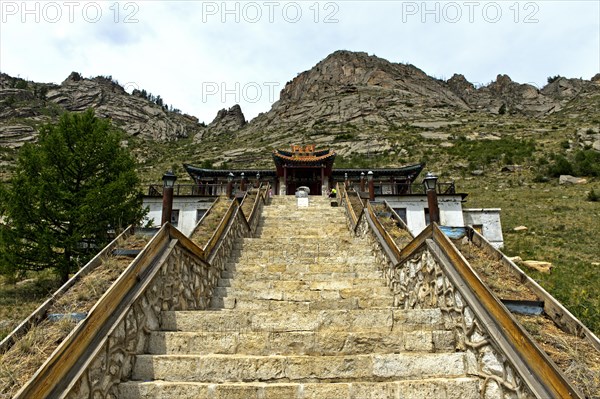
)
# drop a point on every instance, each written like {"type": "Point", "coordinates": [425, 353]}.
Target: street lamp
{"type": "Point", "coordinates": [243, 183]}
{"type": "Point", "coordinates": [362, 182]}
{"type": "Point", "coordinates": [430, 184]}
{"type": "Point", "coordinates": [257, 179]}
{"type": "Point", "coordinates": [229, 184]}
{"type": "Point", "coordinates": [371, 186]}
{"type": "Point", "coordinates": [167, 206]}
{"type": "Point", "coordinates": [346, 182]}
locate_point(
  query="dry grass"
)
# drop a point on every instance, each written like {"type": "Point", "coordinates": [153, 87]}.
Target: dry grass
{"type": "Point", "coordinates": [23, 359]}
{"type": "Point", "coordinates": [355, 203]}
{"type": "Point", "coordinates": [575, 357]}
{"type": "Point", "coordinates": [400, 236]}
{"type": "Point", "coordinates": [210, 223]}
{"type": "Point", "coordinates": [502, 281]}
{"type": "Point", "coordinates": [248, 203]}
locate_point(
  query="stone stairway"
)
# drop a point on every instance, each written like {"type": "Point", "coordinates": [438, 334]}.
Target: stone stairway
{"type": "Point", "coordinates": [302, 312]}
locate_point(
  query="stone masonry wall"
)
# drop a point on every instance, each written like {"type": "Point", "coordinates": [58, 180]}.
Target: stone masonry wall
{"type": "Point", "coordinates": [421, 283]}
{"type": "Point", "coordinates": [184, 282]}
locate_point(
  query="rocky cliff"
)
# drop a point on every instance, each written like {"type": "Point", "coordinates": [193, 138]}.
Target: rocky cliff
{"type": "Point", "coordinates": [352, 101]}
{"type": "Point", "coordinates": [25, 105]}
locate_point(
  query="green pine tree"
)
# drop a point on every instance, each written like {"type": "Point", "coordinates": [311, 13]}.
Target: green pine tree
{"type": "Point", "coordinates": [69, 190]}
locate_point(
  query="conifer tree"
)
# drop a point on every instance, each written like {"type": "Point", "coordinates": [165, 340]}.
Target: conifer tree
{"type": "Point", "coordinates": [69, 191]}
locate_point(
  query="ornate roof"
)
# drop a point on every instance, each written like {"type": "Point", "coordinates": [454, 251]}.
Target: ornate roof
{"type": "Point", "coordinates": [301, 156]}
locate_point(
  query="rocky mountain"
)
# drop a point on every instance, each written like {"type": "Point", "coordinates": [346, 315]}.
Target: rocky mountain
{"type": "Point", "coordinates": [356, 88]}
{"type": "Point", "coordinates": [353, 102]}
{"type": "Point", "coordinates": [227, 120]}
{"type": "Point", "coordinates": [25, 105]}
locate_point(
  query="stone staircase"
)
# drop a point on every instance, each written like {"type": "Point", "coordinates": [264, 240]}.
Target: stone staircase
{"type": "Point", "coordinates": [302, 312]}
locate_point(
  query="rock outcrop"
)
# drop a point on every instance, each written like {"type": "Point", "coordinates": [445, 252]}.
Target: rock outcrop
{"type": "Point", "coordinates": [228, 120]}
{"type": "Point", "coordinates": [30, 104]}
{"type": "Point", "coordinates": [350, 92]}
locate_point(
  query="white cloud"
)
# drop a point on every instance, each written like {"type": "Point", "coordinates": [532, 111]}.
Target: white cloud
{"type": "Point", "coordinates": [181, 49]}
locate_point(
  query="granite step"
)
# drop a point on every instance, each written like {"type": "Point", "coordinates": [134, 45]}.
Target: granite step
{"type": "Point", "coordinates": [310, 343]}
{"type": "Point", "coordinates": [384, 318]}
{"type": "Point", "coordinates": [243, 277]}
{"type": "Point", "coordinates": [362, 293]}
{"type": "Point", "coordinates": [277, 265]}
{"type": "Point", "coordinates": [304, 284]}
{"type": "Point", "coordinates": [298, 306]}
{"type": "Point", "coordinates": [218, 368]}
{"type": "Point", "coordinates": [432, 388]}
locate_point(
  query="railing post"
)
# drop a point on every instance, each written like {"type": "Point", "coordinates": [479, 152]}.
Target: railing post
{"type": "Point", "coordinates": [371, 186]}
{"type": "Point", "coordinates": [229, 184]}
{"type": "Point", "coordinates": [430, 184]}
{"type": "Point", "coordinates": [362, 182]}
{"type": "Point", "coordinates": [167, 205]}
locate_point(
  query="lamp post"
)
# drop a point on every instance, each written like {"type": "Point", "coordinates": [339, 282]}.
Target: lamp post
{"type": "Point", "coordinates": [371, 186]}
{"type": "Point", "coordinates": [430, 183]}
{"type": "Point", "coordinates": [229, 184]}
{"type": "Point", "coordinates": [362, 182]}
{"type": "Point", "coordinates": [167, 205]}
{"type": "Point", "coordinates": [243, 183]}
{"type": "Point", "coordinates": [346, 182]}
{"type": "Point", "coordinates": [257, 179]}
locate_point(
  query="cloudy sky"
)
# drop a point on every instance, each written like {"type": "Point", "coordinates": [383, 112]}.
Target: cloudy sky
{"type": "Point", "coordinates": [202, 56]}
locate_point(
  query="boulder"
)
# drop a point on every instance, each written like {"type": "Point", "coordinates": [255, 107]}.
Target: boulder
{"type": "Point", "coordinates": [568, 179]}
{"type": "Point", "coordinates": [541, 266]}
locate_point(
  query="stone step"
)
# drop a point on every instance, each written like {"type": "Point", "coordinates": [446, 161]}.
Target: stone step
{"type": "Point", "coordinates": [316, 243]}
{"type": "Point", "coordinates": [349, 242]}
{"type": "Point", "coordinates": [244, 276]}
{"type": "Point", "coordinates": [319, 343]}
{"type": "Point", "coordinates": [298, 306]}
{"type": "Point", "coordinates": [245, 368]}
{"type": "Point", "coordinates": [301, 285]}
{"type": "Point", "coordinates": [433, 388]}
{"type": "Point", "coordinates": [306, 234]}
{"type": "Point", "coordinates": [362, 293]}
{"type": "Point", "coordinates": [302, 266]}
{"type": "Point", "coordinates": [376, 319]}
{"type": "Point", "coordinates": [304, 257]}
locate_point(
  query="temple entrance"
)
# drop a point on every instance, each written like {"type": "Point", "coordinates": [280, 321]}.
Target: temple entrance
{"type": "Point", "coordinates": [309, 177]}
{"type": "Point", "coordinates": [303, 166]}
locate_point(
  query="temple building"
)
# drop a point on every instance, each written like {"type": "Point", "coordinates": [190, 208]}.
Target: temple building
{"type": "Point", "coordinates": [312, 169]}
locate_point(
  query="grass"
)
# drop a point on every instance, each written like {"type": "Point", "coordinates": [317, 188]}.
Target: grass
{"type": "Point", "coordinates": [576, 357]}
{"type": "Point", "coordinates": [19, 363]}
{"type": "Point", "coordinates": [562, 229]}
{"type": "Point", "coordinates": [206, 229]}
{"type": "Point", "coordinates": [400, 236]}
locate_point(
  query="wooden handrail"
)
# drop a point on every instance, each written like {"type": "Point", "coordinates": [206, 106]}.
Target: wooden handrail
{"type": "Point", "coordinates": [216, 236]}
{"type": "Point", "coordinates": [210, 209]}
{"type": "Point", "coordinates": [255, 206]}
{"type": "Point", "coordinates": [69, 352]}
{"type": "Point", "coordinates": [554, 309]}
{"type": "Point", "coordinates": [403, 224]}
{"type": "Point", "coordinates": [533, 364]}
{"type": "Point", "coordinates": [384, 233]}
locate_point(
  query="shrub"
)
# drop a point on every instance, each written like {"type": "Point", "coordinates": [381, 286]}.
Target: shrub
{"type": "Point", "coordinates": [560, 166]}
{"type": "Point", "coordinates": [593, 196]}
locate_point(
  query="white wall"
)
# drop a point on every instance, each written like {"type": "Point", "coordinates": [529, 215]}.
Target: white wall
{"type": "Point", "coordinates": [450, 206]}
{"type": "Point", "coordinates": [187, 206]}
{"type": "Point", "coordinates": [489, 219]}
